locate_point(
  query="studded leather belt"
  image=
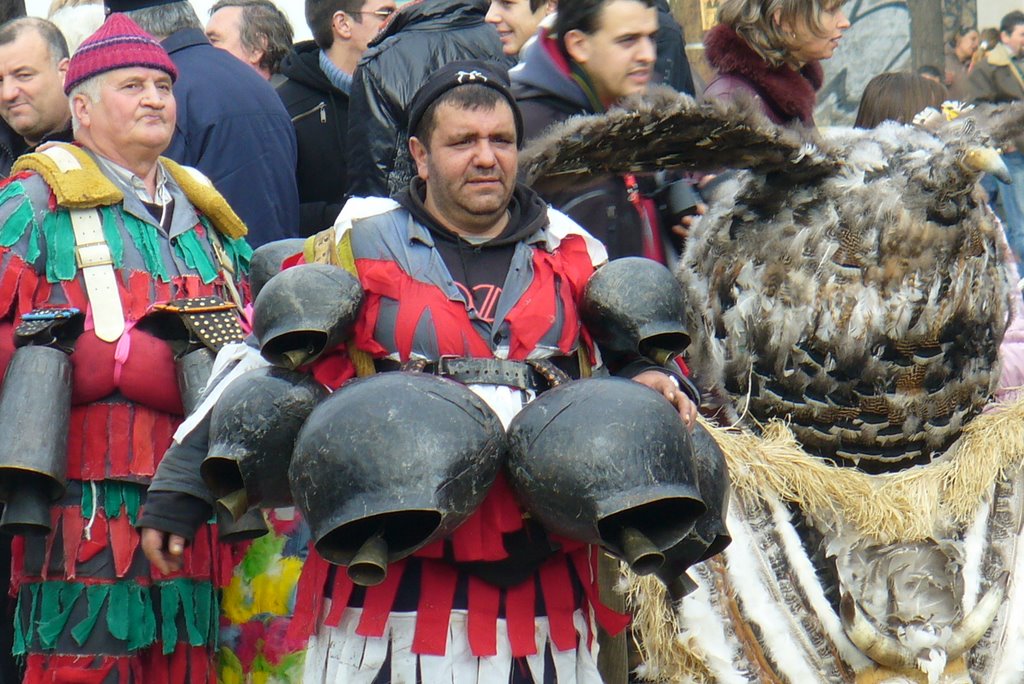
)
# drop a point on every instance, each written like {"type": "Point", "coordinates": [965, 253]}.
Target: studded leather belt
{"type": "Point", "coordinates": [537, 375]}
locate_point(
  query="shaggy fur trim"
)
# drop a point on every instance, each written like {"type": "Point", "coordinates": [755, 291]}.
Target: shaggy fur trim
{"type": "Point", "coordinates": [789, 92]}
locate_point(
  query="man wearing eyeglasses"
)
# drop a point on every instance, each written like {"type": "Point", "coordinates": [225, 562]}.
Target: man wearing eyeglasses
{"type": "Point", "coordinates": [316, 95]}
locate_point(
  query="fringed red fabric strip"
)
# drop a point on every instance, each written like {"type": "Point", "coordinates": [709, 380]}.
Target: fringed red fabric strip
{"type": "Point", "coordinates": [94, 533]}
{"type": "Point", "coordinates": [556, 587]}
{"type": "Point", "coordinates": [479, 538]}
{"type": "Point", "coordinates": [9, 281]}
{"type": "Point", "coordinates": [559, 276]}
{"type": "Point", "coordinates": [117, 440]}
{"type": "Point", "coordinates": [378, 601]}
{"type": "Point", "coordinates": [71, 535]}
{"type": "Point", "coordinates": [69, 669]}
{"type": "Point", "coordinates": [139, 295]}
{"type": "Point", "coordinates": [179, 665]}
{"type": "Point", "coordinates": [143, 444]}
{"type": "Point", "coordinates": [119, 424]}
{"type": "Point", "coordinates": [452, 328]}
{"type": "Point", "coordinates": [484, 600]}
{"type": "Point", "coordinates": [55, 515]}
{"type": "Point", "coordinates": [340, 595]}
{"type": "Point", "coordinates": [520, 604]}
{"type": "Point", "coordinates": [27, 291]}
{"type": "Point", "coordinates": [437, 594]}
{"type": "Point", "coordinates": [124, 541]}
{"type": "Point", "coordinates": [309, 593]}
{"type": "Point", "coordinates": [17, 565]}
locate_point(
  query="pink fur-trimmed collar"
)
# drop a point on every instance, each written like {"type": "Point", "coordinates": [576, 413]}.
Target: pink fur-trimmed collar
{"type": "Point", "coordinates": [789, 92]}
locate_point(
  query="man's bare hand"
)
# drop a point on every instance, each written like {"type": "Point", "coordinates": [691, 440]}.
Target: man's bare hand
{"type": "Point", "coordinates": [163, 549]}
{"type": "Point", "coordinates": [682, 229]}
{"type": "Point", "coordinates": [661, 383]}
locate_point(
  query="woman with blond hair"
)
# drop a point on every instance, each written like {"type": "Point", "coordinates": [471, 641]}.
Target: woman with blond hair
{"type": "Point", "coordinates": [770, 50]}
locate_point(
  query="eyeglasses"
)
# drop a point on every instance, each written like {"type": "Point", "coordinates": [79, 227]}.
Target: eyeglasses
{"type": "Point", "coordinates": [381, 14]}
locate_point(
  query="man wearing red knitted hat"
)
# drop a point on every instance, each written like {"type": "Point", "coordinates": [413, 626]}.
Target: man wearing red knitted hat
{"type": "Point", "coordinates": [94, 238]}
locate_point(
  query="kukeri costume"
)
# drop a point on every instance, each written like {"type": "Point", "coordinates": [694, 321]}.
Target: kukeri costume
{"type": "Point", "coordinates": [74, 232]}
{"type": "Point", "coordinates": [850, 296]}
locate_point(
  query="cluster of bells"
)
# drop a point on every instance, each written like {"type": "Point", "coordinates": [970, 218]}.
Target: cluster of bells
{"type": "Point", "coordinates": [390, 463]}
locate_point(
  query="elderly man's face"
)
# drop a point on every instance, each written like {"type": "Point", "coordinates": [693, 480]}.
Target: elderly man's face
{"type": "Point", "coordinates": [134, 116]}
{"type": "Point", "coordinates": [32, 99]}
{"type": "Point", "coordinates": [469, 165]}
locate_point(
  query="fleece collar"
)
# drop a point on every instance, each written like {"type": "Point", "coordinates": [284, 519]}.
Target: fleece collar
{"type": "Point", "coordinates": [789, 92]}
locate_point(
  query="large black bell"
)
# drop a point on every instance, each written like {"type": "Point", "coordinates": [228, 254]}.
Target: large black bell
{"type": "Point", "coordinates": [35, 408]}
{"type": "Point", "coordinates": [266, 260]}
{"type": "Point", "coordinates": [390, 463]}
{"type": "Point", "coordinates": [607, 461]}
{"type": "Point", "coordinates": [710, 535]}
{"type": "Point", "coordinates": [252, 433]}
{"type": "Point", "coordinates": [636, 306]}
{"type": "Point", "coordinates": [304, 311]}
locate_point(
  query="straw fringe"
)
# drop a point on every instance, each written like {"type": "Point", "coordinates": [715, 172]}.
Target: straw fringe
{"type": "Point", "coordinates": [907, 506]}
{"type": "Point", "coordinates": [902, 507]}
{"type": "Point", "coordinates": [666, 654]}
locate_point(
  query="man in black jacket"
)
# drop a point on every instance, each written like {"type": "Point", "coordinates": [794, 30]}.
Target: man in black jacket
{"type": "Point", "coordinates": [599, 52]}
{"type": "Point", "coordinates": [316, 95]}
{"type": "Point", "coordinates": [422, 37]}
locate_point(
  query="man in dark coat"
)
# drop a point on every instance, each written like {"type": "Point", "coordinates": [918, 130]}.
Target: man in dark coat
{"type": "Point", "coordinates": [672, 65]}
{"type": "Point", "coordinates": [599, 52]}
{"type": "Point", "coordinates": [231, 124]}
{"type": "Point", "coordinates": [316, 95]}
{"type": "Point", "coordinates": [421, 37]}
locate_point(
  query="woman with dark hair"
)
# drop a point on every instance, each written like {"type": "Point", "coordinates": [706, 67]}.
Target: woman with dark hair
{"type": "Point", "coordinates": [770, 50]}
{"type": "Point", "coordinates": [897, 96]}
{"type": "Point", "coordinates": [959, 53]}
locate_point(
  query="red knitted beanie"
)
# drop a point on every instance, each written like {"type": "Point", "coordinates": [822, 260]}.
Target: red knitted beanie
{"type": "Point", "coordinates": [119, 43]}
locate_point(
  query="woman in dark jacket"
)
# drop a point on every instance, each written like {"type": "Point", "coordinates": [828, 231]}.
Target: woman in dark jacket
{"type": "Point", "coordinates": [770, 50]}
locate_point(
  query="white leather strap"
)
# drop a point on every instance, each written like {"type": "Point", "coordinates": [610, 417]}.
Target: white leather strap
{"type": "Point", "coordinates": [93, 256]}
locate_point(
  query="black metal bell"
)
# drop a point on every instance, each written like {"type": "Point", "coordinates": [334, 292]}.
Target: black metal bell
{"type": "Point", "coordinates": [265, 262]}
{"type": "Point", "coordinates": [636, 306]}
{"type": "Point", "coordinates": [390, 463]}
{"type": "Point", "coordinates": [607, 461]}
{"type": "Point", "coordinates": [304, 311]}
{"type": "Point", "coordinates": [252, 433]}
{"type": "Point", "coordinates": [35, 408]}
{"type": "Point", "coordinates": [251, 525]}
{"type": "Point", "coordinates": [710, 535]}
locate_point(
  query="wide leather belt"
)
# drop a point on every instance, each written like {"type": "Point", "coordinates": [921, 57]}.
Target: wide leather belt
{"type": "Point", "coordinates": [536, 375]}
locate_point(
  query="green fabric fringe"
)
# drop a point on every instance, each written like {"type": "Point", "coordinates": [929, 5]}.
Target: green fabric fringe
{"type": "Point", "coordinates": [21, 219]}
{"type": "Point", "coordinates": [112, 235]}
{"type": "Point", "coordinates": [60, 246]}
{"type": "Point", "coordinates": [131, 617]}
{"type": "Point", "coordinates": [147, 241]}
{"type": "Point", "coordinates": [115, 494]}
{"type": "Point", "coordinates": [191, 250]}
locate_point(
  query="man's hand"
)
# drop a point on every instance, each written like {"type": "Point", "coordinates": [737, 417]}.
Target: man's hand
{"type": "Point", "coordinates": [660, 382]}
{"type": "Point", "coordinates": [163, 549]}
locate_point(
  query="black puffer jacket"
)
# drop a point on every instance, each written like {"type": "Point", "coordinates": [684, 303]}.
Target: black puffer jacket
{"type": "Point", "coordinates": [319, 113]}
{"type": "Point", "coordinates": [422, 37]}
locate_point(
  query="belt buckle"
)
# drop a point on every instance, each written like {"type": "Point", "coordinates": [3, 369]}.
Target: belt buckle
{"type": "Point", "coordinates": [441, 365]}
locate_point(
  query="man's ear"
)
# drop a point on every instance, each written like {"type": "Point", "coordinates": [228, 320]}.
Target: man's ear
{"type": "Point", "coordinates": [81, 106]}
{"type": "Point", "coordinates": [419, 154]}
{"type": "Point", "coordinates": [62, 69]}
{"type": "Point", "coordinates": [577, 45]}
{"type": "Point", "coordinates": [341, 25]}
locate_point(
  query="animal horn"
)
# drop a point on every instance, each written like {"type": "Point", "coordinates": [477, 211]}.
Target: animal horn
{"type": "Point", "coordinates": [987, 160]}
{"type": "Point", "coordinates": [882, 648]}
{"type": "Point", "coordinates": [974, 625]}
